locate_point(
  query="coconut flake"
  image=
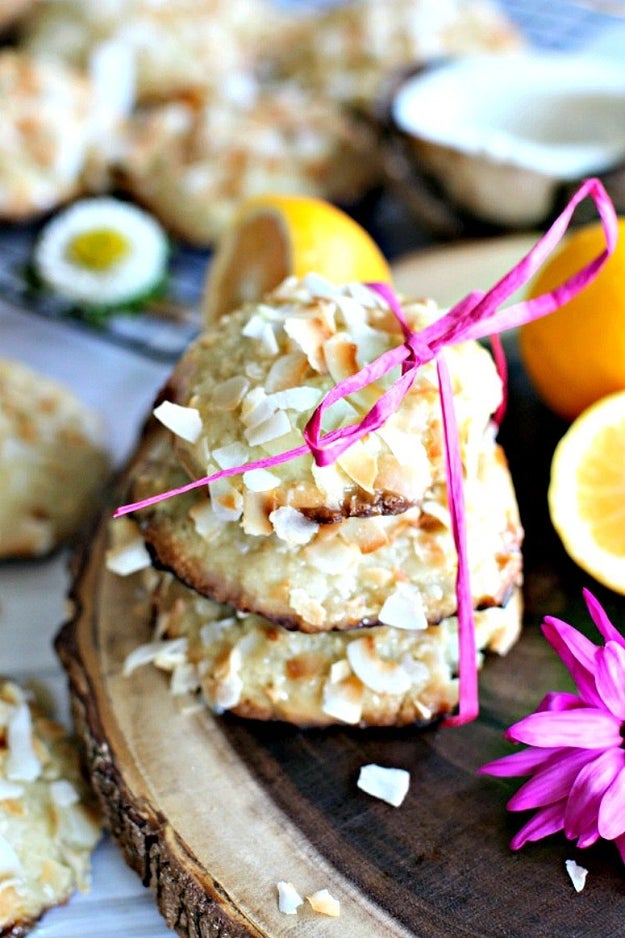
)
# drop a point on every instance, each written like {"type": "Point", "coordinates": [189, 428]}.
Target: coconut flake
{"type": "Point", "coordinates": [387, 784]}
{"type": "Point", "coordinates": [22, 764]}
{"type": "Point", "coordinates": [299, 399]}
{"type": "Point", "coordinates": [205, 521]}
{"type": "Point", "coordinates": [229, 394]}
{"type": "Point", "coordinates": [10, 863]}
{"type": "Point", "coordinates": [10, 790]}
{"type": "Point", "coordinates": [382, 677]}
{"type": "Point", "coordinates": [343, 699]}
{"type": "Point", "coordinates": [275, 426]}
{"type": "Point", "coordinates": [226, 500]}
{"type": "Point", "coordinates": [321, 901]}
{"type": "Point", "coordinates": [185, 422]}
{"type": "Point", "coordinates": [260, 480]}
{"type": "Point", "coordinates": [63, 793]}
{"type": "Point", "coordinates": [309, 335]}
{"type": "Point", "coordinates": [289, 900]}
{"type": "Point", "coordinates": [577, 874]}
{"type": "Point", "coordinates": [172, 650]}
{"type": "Point", "coordinates": [403, 609]}
{"type": "Point", "coordinates": [231, 455]}
{"type": "Point", "coordinates": [128, 558]}
{"type": "Point", "coordinates": [292, 526]}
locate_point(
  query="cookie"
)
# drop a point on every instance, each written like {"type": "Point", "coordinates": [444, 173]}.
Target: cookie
{"type": "Point", "coordinates": [192, 162]}
{"type": "Point", "coordinates": [395, 569]}
{"type": "Point", "coordinates": [57, 129]}
{"type": "Point", "coordinates": [246, 665]}
{"type": "Point", "coordinates": [53, 462]}
{"type": "Point", "coordinates": [253, 379]}
{"type": "Point", "coordinates": [49, 825]}
{"type": "Point", "coordinates": [348, 51]}
{"type": "Point", "coordinates": [181, 47]}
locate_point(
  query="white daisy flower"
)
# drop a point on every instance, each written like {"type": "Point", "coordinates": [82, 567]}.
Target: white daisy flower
{"type": "Point", "coordinates": [102, 252]}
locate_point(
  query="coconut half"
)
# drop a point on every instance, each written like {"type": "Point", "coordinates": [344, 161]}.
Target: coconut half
{"type": "Point", "coordinates": [501, 133]}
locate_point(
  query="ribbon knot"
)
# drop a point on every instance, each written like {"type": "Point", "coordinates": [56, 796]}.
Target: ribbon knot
{"type": "Point", "coordinates": [477, 316]}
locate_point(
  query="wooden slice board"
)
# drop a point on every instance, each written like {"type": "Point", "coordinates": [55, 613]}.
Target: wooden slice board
{"type": "Point", "coordinates": [212, 812]}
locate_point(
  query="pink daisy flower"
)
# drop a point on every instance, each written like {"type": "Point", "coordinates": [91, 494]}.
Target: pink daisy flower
{"type": "Point", "coordinates": [575, 753]}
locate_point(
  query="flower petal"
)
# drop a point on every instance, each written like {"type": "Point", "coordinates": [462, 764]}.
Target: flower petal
{"type": "Point", "coordinates": [525, 762]}
{"type": "Point", "coordinates": [611, 822]}
{"type": "Point", "coordinates": [587, 791]}
{"type": "Point", "coordinates": [600, 618]}
{"type": "Point", "coordinates": [578, 654]}
{"type": "Point", "coordinates": [547, 821]}
{"type": "Point", "coordinates": [560, 700]}
{"type": "Point", "coordinates": [586, 728]}
{"type": "Point", "coordinates": [553, 783]}
{"type": "Point", "coordinates": [610, 677]}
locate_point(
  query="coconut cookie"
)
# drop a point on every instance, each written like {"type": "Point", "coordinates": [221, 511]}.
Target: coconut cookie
{"type": "Point", "coordinates": [53, 464]}
{"type": "Point", "coordinates": [48, 823]}
{"type": "Point", "coordinates": [249, 384]}
{"type": "Point", "coordinates": [191, 163]}
{"type": "Point", "coordinates": [54, 133]}
{"type": "Point", "coordinates": [379, 676]}
{"type": "Point", "coordinates": [347, 51]}
{"type": "Point", "coordinates": [181, 47]}
{"type": "Point", "coordinates": [397, 569]}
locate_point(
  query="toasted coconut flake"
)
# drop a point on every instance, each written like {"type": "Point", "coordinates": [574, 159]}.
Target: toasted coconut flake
{"type": "Point", "coordinates": [360, 465]}
{"type": "Point", "coordinates": [343, 700]}
{"type": "Point", "coordinates": [63, 793]}
{"type": "Point", "coordinates": [292, 526]}
{"type": "Point", "coordinates": [226, 500]}
{"type": "Point", "coordinates": [436, 510]}
{"type": "Point", "coordinates": [229, 394]}
{"type": "Point", "coordinates": [403, 608]}
{"type": "Point", "coordinates": [171, 650]}
{"type": "Point", "coordinates": [309, 335]}
{"type": "Point", "coordinates": [255, 518]}
{"type": "Point", "coordinates": [10, 864]}
{"type": "Point", "coordinates": [321, 901]}
{"type": "Point", "coordinates": [184, 679]}
{"type": "Point", "coordinates": [263, 332]}
{"type": "Point", "coordinates": [382, 677]}
{"type": "Point", "coordinates": [340, 357]}
{"type": "Point", "coordinates": [289, 900]}
{"type": "Point", "coordinates": [577, 874]}
{"type": "Point", "coordinates": [9, 790]}
{"type": "Point", "coordinates": [227, 457]}
{"type": "Point", "coordinates": [320, 286]}
{"type": "Point", "coordinates": [275, 426]}
{"type": "Point", "coordinates": [23, 764]}
{"type": "Point", "coordinates": [260, 480]}
{"type": "Point", "coordinates": [185, 422]}
{"type": "Point", "coordinates": [129, 558]}
{"type": "Point", "coordinates": [206, 522]}
{"type": "Point", "coordinates": [364, 295]}
{"type": "Point", "coordinates": [339, 670]}
{"type": "Point", "coordinates": [387, 784]}
{"type": "Point", "coordinates": [288, 371]}
{"type": "Point", "coordinates": [299, 399]}
{"type": "Point", "coordinates": [229, 683]}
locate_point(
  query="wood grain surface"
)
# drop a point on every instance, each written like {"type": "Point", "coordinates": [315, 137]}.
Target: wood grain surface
{"type": "Point", "coordinates": [211, 812]}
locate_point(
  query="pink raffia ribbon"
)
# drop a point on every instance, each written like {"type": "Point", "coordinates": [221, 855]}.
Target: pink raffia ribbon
{"type": "Point", "coordinates": [477, 316]}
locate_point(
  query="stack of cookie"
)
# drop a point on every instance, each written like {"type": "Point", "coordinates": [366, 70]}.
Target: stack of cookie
{"type": "Point", "coordinates": [315, 594]}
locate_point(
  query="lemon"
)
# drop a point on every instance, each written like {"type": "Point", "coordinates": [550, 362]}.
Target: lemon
{"type": "Point", "coordinates": [587, 491]}
{"type": "Point", "coordinates": [576, 355]}
{"type": "Point", "coordinates": [274, 236]}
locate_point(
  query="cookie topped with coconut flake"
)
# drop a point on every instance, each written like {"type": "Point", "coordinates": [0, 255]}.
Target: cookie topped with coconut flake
{"type": "Point", "coordinates": [49, 825]}
{"type": "Point", "coordinates": [245, 390]}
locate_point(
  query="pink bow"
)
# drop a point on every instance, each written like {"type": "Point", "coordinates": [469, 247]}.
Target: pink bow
{"type": "Point", "coordinates": [477, 316]}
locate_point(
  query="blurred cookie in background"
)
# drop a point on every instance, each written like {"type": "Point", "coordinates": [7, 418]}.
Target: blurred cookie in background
{"type": "Point", "coordinates": [55, 129]}
{"type": "Point", "coordinates": [191, 163]}
{"type": "Point", "coordinates": [53, 463]}
{"type": "Point", "coordinates": [49, 825]}
{"type": "Point", "coordinates": [346, 51]}
{"type": "Point", "coordinates": [178, 47]}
